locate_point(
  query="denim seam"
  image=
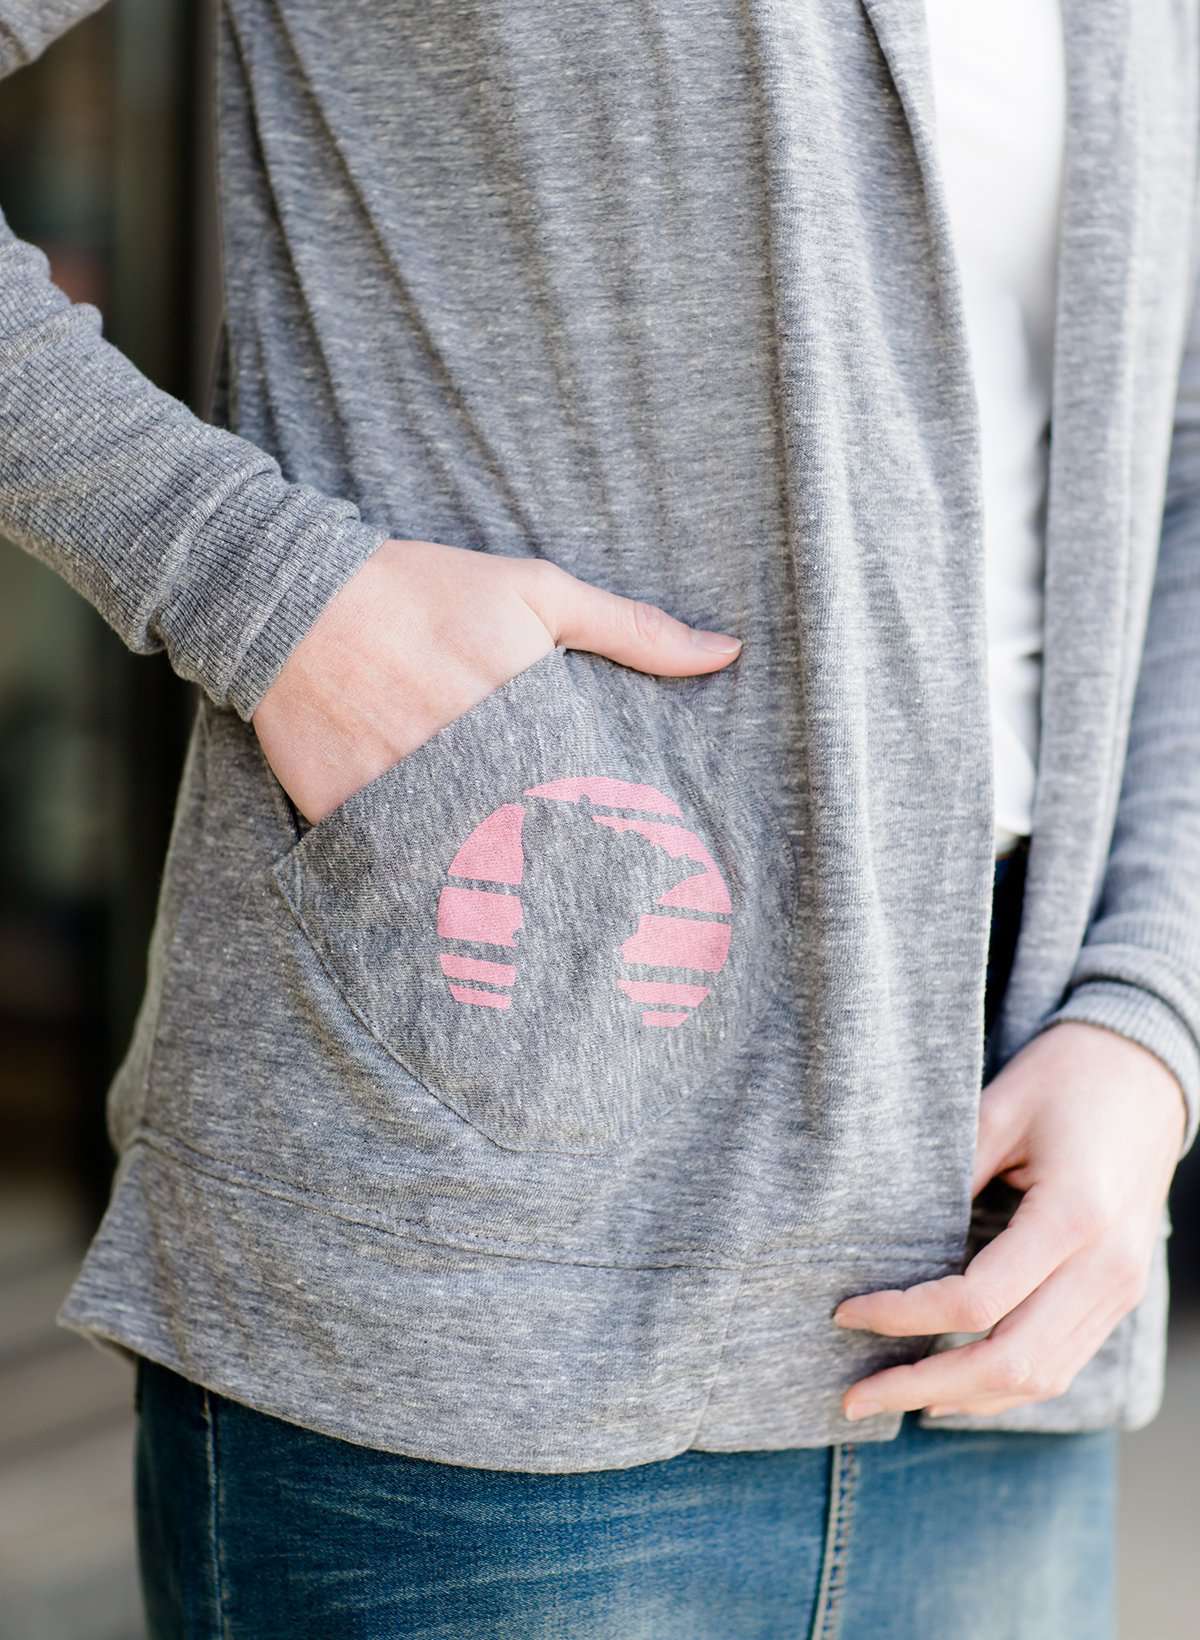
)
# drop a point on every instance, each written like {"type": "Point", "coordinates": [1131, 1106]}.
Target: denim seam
{"type": "Point", "coordinates": [843, 1473]}
{"type": "Point", "coordinates": [214, 1509]}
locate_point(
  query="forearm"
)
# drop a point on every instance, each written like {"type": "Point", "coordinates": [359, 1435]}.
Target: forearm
{"type": "Point", "coordinates": [184, 536]}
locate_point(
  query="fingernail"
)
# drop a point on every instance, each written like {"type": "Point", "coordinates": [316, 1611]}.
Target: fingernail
{"type": "Point", "coordinates": [863, 1409]}
{"type": "Point", "coordinates": [938, 1412]}
{"type": "Point", "coordinates": [721, 642]}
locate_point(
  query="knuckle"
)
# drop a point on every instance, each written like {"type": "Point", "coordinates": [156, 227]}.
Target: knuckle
{"type": "Point", "coordinates": [1085, 1219]}
{"type": "Point", "coordinates": [1046, 1385]}
{"type": "Point", "coordinates": [980, 1310]}
{"type": "Point", "coordinates": [547, 579]}
{"type": "Point", "coordinates": [649, 622]}
{"type": "Point", "coordinates": [1127, 1276]}
{"type": "Point", "coordinates": [1016, 1373]}
{"type": "Point", "coordinates": [1075, 1229]}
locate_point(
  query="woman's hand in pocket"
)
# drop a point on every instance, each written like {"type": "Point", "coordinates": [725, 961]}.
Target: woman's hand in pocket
{"type": "Point", "coordinates": [423, 632]}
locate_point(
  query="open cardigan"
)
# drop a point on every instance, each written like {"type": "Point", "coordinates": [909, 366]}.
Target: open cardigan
{"type": "Point", "coordinates": [535, 1109]}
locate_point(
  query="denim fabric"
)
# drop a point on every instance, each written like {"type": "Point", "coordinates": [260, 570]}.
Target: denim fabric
{"type": "Point", "coordinates": [254, 1529]}
{"type": "Point", "coordinates": [251, 1528]}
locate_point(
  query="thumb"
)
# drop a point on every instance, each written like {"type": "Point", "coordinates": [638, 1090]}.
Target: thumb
{"type": "Point", "coordinates": [631, 631]}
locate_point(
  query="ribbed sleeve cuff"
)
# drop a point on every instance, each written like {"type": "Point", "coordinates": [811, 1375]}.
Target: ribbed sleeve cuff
{"type": "Point", "coordinates": [1144, 1018]}
{"type": "Point", "coordinates": [275, 550]}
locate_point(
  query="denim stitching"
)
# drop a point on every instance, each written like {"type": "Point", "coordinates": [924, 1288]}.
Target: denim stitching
{"type": "Point", "coordinates": [221, 1627]}
{"type": "Point", "coordinates": [843, 1473]}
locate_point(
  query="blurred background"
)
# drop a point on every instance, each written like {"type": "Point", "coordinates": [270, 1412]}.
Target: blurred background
{"type": "Point", "coordinates": [106, 163]}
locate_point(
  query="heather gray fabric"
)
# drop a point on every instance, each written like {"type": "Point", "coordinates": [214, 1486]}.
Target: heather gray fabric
{"type": "Point", "coordinates": [665, 293]}
{"type": "Point", "coordinates": [573, 1052]}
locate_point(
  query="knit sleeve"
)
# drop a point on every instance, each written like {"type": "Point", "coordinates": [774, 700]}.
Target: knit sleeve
{"type": "Point", "coordinates": [1138, 971]}
{"type": "Point", "coordinates": [184, 536]}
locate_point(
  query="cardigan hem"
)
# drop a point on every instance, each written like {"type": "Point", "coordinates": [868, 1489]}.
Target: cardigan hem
{"type": "Point", "coordinates": [478, 1359]}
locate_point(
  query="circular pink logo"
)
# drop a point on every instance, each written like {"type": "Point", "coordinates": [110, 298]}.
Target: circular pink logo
{"type": "Point", "coordinates": [674, 947]}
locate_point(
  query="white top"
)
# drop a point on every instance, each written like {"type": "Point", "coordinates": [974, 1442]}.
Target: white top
{"type": "Point", "coordinates": [999, 90]}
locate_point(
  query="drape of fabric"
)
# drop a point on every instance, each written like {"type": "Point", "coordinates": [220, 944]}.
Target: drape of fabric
{"type": "Point", "coordinates": [536, 1108]}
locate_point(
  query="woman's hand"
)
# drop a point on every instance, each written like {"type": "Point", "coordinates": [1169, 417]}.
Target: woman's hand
{"type": "Point", "coordinates": [423, 632]}
{"type": "Point", "coordinates": [1089, 1125]}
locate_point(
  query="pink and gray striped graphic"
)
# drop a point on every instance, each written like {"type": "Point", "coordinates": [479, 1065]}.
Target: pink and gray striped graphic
{"type": "Point", "coordinates": [685, 952]}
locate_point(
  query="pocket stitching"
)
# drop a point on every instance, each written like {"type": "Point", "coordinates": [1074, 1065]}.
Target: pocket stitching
{"type": "Point", "coordinates": [752, 811]}
{"type": "Point", "coordinates": [377, 1038]}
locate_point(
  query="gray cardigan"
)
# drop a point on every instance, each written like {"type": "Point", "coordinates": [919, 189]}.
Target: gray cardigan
{"type": "Point", "coordinates": [535, 1109]}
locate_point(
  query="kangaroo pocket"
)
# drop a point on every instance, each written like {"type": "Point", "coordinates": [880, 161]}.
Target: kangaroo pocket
{"type": "Point", "coordinates": [562, 914]}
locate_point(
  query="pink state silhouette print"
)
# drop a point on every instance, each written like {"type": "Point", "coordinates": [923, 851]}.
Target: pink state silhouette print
{"type": "Point", "coordinates": [587, 884]}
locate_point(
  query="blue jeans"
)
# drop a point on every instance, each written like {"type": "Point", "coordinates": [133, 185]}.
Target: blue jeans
{"type": "Point", "coordinates": [250, 1528]}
